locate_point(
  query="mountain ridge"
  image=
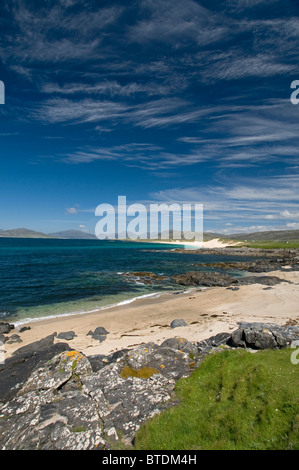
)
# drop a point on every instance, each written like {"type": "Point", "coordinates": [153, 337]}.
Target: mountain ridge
{"type": "Point", "coordinates": [273, 235]}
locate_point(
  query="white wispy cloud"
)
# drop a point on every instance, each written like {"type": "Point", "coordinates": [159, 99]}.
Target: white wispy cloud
{"type": "Point", "coordinates": [71, 210]}
{"type": "Point", "coordinates": [168, 21]}
{"type": "Point", "coordinates": [156, 113]}
{"type": "Point", "coordinates": [61, 110]}
{"type": "Point", "coordinates": [234, 66]}
{"type": "Point", "coordinates": [140, 155]}
{"type": "Point", "coordinates": [289, 215]}
{"type": "Point", "coordinates": [234, 136]}
{"type": "Point", "coordinates": [50, 34]}
{"type": "Point", "coordinates": [242, 201]}
{"type": "Point", "coordinates": [108, 87]}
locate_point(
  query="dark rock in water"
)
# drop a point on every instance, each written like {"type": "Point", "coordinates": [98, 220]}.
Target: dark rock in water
{"type": "Point", "coordinates": [67, 335]}
{"type": "Point", "coordinates": [99, 334]}
{"type": "Point", "coordinates": [5, 328]}
{"type": "Point", "coordinates": [143, 277]}
{"type": "Point", "coordinates": [20, 365]}
{"type": "Point", "coordinates": [194, 278]}
{"type": "Point", "coordinates": [178, 323]}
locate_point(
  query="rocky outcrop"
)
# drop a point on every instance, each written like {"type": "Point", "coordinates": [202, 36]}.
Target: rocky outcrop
{"type": "Point", "coordinates": [5, 328]}
{"type": "Point", "coordinates": [65, 405]}
{"type": "Point", "coordinates": [256, 266]}
{"type": "Point", "coordinates": [143, 277]}
{"type": "Point", "coordinates": [206, 279]}
{"type": "Point", "coordinates": [263, 336]}
{"type": "Point", "coordinates": [20, 365]}
{"type": "Point", "coordinates": [265, 259]}
{"type": "Point", "coordinates": [74, 402]}
{"type": "Point", "coordinates": [284, 255]}
{"type": "Point", "coordinates": [99, 334]}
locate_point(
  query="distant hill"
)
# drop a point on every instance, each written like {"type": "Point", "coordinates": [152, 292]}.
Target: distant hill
{"type": "Point", "coordinates": [22, 233]}
{"type": "Point", "coordinates": [73, 235]}
{"type": "Point", "coordinates": [273, 235]}
{"type": "Point", "coordinates": [173, 235]}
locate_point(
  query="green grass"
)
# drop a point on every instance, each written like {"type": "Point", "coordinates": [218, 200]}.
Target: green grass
{"type": "Point", "coordinates": [271, 245]}
{"type": "Point", "coordinates": [234, 400]}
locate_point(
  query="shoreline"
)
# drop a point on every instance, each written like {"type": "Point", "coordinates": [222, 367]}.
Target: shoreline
{"type": "Point", "coordinates": [207, 311]}
{"type": "Point", "coordinates": [25, 321]}
{"type": "Point", "coordinates": [214, 243]}
{"type": "Point", "coordinates": [178, 244]}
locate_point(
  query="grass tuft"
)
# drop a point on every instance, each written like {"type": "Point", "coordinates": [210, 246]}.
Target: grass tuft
{"type": "Point", "coordinates": [234, 400]}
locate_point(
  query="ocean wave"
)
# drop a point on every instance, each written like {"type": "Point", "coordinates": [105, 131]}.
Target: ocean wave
{"type": "Point", "coordinates": [84, 312]}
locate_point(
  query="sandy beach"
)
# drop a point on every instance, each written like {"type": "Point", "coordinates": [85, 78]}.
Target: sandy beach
{"type": "Point", "coordinates": [206, 312]}
{"type": "Point", "coordinates": [215, 243]}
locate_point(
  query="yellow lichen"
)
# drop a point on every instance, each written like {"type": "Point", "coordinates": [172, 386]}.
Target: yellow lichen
{"type": "Point", "coordinates": [143, 373]}
{"type": "Point", "coordinates": [74, 355]}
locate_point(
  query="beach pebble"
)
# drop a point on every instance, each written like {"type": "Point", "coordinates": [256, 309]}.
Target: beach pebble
{"type": "Point", "coordinates": [24, 328]}
{"type": "Point", "coordinates": [99, 334]}
{"type": "Point", "coordinates": [178, 323]}
{"type": "Point", "coordinates": [68, 335]}
{"type": "Point", "coordinates": [14, 339]}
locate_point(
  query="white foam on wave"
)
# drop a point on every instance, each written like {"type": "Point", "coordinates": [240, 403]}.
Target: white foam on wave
{"type": "Point", "coordinates": [83, 312]}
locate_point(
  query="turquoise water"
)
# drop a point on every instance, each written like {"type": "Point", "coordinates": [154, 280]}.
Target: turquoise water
{"type": "Point", "coordinates": [41, 278]}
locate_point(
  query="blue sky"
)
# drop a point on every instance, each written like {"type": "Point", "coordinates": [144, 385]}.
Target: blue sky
{"type": "Point", "coordinates": [159, 100]}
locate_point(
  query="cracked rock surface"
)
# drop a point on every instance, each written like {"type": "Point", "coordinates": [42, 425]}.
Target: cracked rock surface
{"type": "Point", "coordinates": [65, 405]}
{"type": "Point", "coordinates": [73, 402]}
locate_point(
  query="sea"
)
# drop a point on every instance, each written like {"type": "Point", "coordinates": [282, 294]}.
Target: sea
{"type": "Point", "coordinates": [42, 278]}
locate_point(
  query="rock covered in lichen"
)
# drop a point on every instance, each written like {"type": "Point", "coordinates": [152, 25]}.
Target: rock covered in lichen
{"type": "Point", "coordinates": [65, 405]}
{"type": "Point", "coordinates": [79, 403]}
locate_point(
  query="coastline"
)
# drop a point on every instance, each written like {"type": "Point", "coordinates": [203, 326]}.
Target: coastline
{"type": "Point", "coordinates": [214, 243]}
{"type": "Point", "coordinates": [207, 311]}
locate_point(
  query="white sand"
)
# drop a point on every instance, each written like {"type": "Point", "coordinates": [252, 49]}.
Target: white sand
{"type": "Point", "coordinates": [207, 312]}
{"type": "Point", "coordinates": [215, 243]}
